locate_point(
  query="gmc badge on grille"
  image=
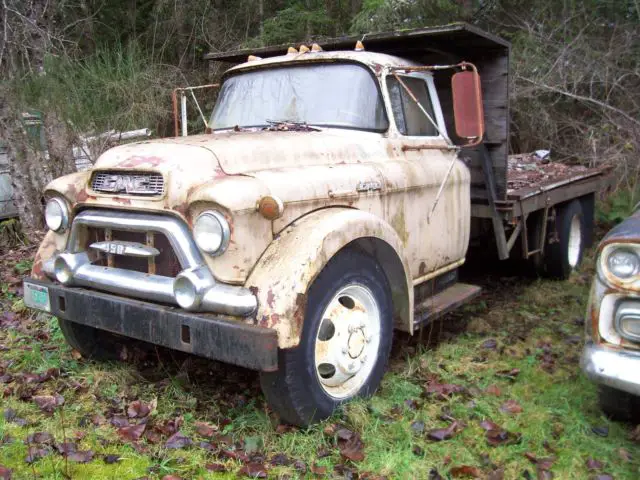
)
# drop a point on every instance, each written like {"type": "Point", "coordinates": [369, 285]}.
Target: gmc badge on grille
{"type": "Point", "coordinates": [132, 184]}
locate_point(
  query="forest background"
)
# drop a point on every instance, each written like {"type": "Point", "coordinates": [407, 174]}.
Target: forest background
{"type": "Point", "coordinates": [92, 66]}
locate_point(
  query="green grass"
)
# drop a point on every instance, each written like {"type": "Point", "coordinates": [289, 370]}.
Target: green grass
{"type": "Point", "coordinates": [528, 319]}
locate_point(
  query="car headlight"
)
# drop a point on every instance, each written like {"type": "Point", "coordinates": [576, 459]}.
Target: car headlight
{"type": "Point", "coordinates": [211, 232]}
{"type": "Point", "coordinates": [623, 263]}
{"type": "Point", "coordinates": [56, 215]}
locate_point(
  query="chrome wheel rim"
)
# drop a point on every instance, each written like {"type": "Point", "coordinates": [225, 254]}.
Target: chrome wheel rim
{"type": "Point", "coordinates": [575, 241]}
{"type": "Point", "coordinates": [347, 341]}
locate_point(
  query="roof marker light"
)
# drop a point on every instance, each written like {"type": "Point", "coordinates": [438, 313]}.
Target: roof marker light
{"type": "Point", "coordinates": [291, 51]}
{"type": "Point", "coordinates": [253, 58]}
{"type": "Point", "coordinates": [304, 49]}
{"type": "Point", "coordinates": [316, 48]}
{"type": "Point", "coordinates": [359, 46]}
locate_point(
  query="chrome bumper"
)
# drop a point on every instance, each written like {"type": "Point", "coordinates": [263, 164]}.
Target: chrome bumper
{"type": "Point", "coordinates": [73, 267]}
{"type": "Point", "coordinates": [618, 369]}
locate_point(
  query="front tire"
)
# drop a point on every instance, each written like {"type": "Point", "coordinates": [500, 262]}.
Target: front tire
{"type": "Point", "coordinates": [93, 344]}
{"type": "Point", "coordinates": [618, 405]}
{"type": "Point", "coordinates": [345, 343]}
{"type": "Point", "coordinates": [565, 255]}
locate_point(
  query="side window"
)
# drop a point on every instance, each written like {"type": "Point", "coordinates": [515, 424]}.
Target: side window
{"type": "Point", "coordinates": [409, 118]}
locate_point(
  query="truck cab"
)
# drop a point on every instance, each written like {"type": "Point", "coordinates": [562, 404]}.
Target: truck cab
{"type": "Point", "coordinates": [330, 202]}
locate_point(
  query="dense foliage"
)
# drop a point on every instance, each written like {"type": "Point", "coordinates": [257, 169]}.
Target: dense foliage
{"type": "Point", "coordinates": [93, 65]}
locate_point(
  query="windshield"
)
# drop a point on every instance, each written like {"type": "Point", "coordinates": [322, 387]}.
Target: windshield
{"type": "Point", "coordinates": [334, 95]}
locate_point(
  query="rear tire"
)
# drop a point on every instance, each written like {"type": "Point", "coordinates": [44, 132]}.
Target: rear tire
{"type": "Point", "coordinates": [345, 343]}
{"type": "Point", "coordinates": [564, 256]}
{"type": "Point", "coordinates": [618, 405]}
{"type": "Point", "coordinates": [92, 343]}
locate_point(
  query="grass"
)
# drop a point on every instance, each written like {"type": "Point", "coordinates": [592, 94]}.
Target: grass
{"type": "Point", "coordinates": [536, 325]}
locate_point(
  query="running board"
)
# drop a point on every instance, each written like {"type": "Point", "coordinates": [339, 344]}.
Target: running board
{"type": "Point", "coordinates": [444, 302]}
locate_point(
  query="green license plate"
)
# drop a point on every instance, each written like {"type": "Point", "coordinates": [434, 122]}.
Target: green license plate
{"type": "Point", "coordinates": [36, 296]}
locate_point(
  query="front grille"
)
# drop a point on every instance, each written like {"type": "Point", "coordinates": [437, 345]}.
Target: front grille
{"type": "Point", "coordinates": [131, 183]}
{"type": "Point", "coordinates": [165, 264]}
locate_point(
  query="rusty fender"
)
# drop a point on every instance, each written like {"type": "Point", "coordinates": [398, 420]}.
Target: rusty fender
{"type": "Point", "coordinates": [287, 269]}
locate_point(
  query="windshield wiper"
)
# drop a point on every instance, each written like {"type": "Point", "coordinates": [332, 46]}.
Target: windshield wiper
{"type": "Point", "coordinates": [289, 125]}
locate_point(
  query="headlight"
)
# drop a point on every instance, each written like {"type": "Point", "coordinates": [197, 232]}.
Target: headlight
{"type": "Point", "coordinates": [623, 263]}
{"type": "Point", "coordinates": [56, 214]}
{"type": "Point", "coordinates": [211, 232]}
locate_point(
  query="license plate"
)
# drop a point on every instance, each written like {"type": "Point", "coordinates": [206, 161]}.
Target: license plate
{"type": "Point", "coordinates": [36, 296]}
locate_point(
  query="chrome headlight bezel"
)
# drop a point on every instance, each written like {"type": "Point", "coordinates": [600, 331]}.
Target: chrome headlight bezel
{"type": "Point", "coordinates": [215, 220]}
{"type": "Point", "coordinates": [62, 224]}
{"type": "Point", "coordinates": [608, 274]}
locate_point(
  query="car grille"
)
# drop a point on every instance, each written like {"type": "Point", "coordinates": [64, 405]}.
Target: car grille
{"type": "Point", "coordinates": [165, 264]}
{"type": "Point", "coordinates": [130, 183]}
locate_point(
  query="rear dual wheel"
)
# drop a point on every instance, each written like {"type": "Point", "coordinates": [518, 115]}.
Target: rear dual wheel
{"type": "Point", "coordinates": [345, 343]}
{"type": "Point", "coordinates": [564, 256]}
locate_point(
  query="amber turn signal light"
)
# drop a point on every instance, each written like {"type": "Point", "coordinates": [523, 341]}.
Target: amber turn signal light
{"type": "Point", "coordinates": [270, 207]}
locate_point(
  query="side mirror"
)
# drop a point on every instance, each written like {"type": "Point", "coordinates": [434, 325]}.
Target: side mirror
{"type": "Point", "coordinates": [468, 109]}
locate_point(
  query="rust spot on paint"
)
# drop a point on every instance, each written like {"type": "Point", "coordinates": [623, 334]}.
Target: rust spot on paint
{"type": "Point", "coordinates": [270, 298]}
{"type": "Point", "coordinates": [136, 161]}
{"type": "Point", "coordinates": [82, 195]}
{"type": "Point", "coordinates": [423, 269]}
{"type": "Point", "coordinates": [275, 319]}
{"type": "Point", "coordinates": [123, 201]}
{"type": "Point", "coordinates": [36, 270]}
{"type": "Point", "coordinates": [298, 315]}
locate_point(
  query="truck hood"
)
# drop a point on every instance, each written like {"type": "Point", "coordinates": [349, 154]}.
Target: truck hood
{"type": "Point", "coordinates": [234, 153]}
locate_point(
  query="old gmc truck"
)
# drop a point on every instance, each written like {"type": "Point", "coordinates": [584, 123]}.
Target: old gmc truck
{"type": "Point", "coordinates": [332, 200]}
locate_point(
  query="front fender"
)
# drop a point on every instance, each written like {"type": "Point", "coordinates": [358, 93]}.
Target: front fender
{"type": "Point", "coordinates": [292, 261]}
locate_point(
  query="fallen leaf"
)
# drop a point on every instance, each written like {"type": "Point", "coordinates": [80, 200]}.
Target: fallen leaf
{"type": "Point", "coordinates": [40, 438]}
{"type": "Point", "coordinates": [490, 344]}
{"type": "Point", "coordinates": [493, 390]}
{"type": "Point", "coordinates": [496, 435]}
{"type": "Point", "coordinates": [48, 403]}
{"type": "Point", "coordinates": [440, 434]}
{"type": "Point", "coordinates": [417, 451]}
{"type": "Point", "coordinates": [411, 404]}
{"type": "Point", "coordinates": [350, 445]}
{"type": "Point", "coordinates": [205, 430]}
{"type": "Point", "coordinates": [435, 475]}
{"type": "Point", "coordinates": [35, 453]}
{"type": "Point", "coordinates": [111, 459]}
{"type": "Point", "coordinates": [593, 464]}
{"type": "Point", "coordinates": [178, 440]}
{"type": "Point", "coordinates": [254, 470]}
{"type": "Point", "coordinates": [5, 473]}
{"type": "Point", "coordinates": [318, 470]}
{"type": "Point", "coordinates": [280, 459]}
{"type": "Point", "coordinates": [603, 476]}
{"type": "Point", "coordinates": [84, 456]}
{"type": "Point", "coordinates": [216, 467]}
{"type": "Point", "coordinates": [66, 448]}
{"type": "Point", "coordinates": [132, 433]}
{"type": "Point", "coordinates": [171, 477]}
{"type": "Point", "coordinates": [139, 409]}
{"type": "Point", "coordinates": [489, 425]}
{"type": "Point", "coordinates": [601, 431]}
{"type": "Point", "coordinates": [417, 426]}
{"type": "Point", "coordinates": [300, 466]}
{"type": "Point", "coordinates": [511, 406]}
{"type": "Point", "coordinates": [497, 474]}
{"type": "Point", "coordinates": [443, 389]}
{"type": "Point", "coordinates": [625, 455]}
{"type": "Point", "coordinates": [119, 421]}
{"type": "Point", "coordinates": [465, 471]}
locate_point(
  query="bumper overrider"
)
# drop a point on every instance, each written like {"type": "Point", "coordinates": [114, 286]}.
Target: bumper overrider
{"type": "Point", "coordinates": [194, 289]}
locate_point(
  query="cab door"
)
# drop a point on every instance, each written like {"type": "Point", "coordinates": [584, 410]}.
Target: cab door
{"type": "Point", "coordinates": [435, 228]}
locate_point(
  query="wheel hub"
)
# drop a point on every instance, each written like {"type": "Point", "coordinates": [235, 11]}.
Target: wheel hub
{"type": "Point", "coordinates": [347, 341]}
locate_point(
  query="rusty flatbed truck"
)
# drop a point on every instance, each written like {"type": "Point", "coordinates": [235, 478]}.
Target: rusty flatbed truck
{"type": "Point", "coordinates": [332, 201]}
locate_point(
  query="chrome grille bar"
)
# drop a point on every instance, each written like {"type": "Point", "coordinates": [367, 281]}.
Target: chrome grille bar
{"type": "Point", "coordinates": [131, 183]}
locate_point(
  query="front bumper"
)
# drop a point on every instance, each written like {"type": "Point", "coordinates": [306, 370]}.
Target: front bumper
{"type": "Point", "coordinates": [615, 368]}
{"type": "Point", "coordinates": [201, 334]}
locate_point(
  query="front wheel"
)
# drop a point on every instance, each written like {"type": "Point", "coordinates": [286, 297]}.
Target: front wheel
{"type": "Point", "coordinates": [92, 343]}
{"type": "Point", "coordinates": [345, 343]}
{"type": "Point", "coordinates": [618, 405]}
